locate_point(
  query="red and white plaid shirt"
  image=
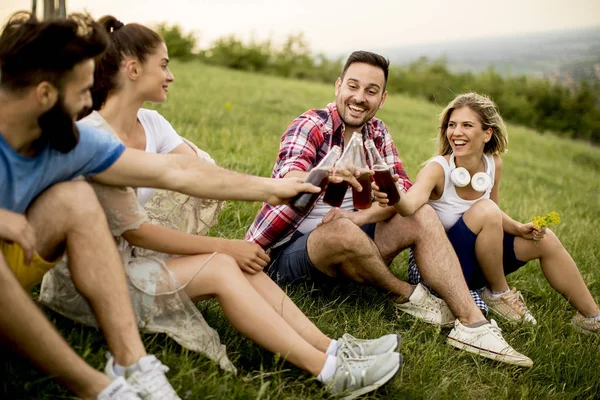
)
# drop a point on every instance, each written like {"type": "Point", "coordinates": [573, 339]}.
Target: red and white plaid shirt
{"type": "Point", "coordinates": [303, 145]}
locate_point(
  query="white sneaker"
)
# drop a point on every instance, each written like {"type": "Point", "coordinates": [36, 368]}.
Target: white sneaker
{"type": "Point", "coordinates": [425, 306]}
{"type": "Point", "coordinates": [147, 378]}
{"type": "Point", "coordinates": [355, 348]}
{"type": "Point", "coordinates": [486, 341]}
{"type": "Point", "coordinates": [354, 377]}
{"type": "Point", "coordinates": [118, 389]}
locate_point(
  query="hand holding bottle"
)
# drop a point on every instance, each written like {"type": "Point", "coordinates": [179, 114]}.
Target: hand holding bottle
{"type": "Point", "coordinates": [380, 195]}
{"type": "Point", "coordinates": [385, 181]}
{"type": "Point", "coordinates": [352, 169]}
{"type": "Point", "coordinates": [318, 176]}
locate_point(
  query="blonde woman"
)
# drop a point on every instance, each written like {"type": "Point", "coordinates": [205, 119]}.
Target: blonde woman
{"type": "Point", "coordinates": [462, 184]}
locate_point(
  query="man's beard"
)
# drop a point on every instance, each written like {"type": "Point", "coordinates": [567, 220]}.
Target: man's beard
{"type": "Point", "coordinates": [58, 128]}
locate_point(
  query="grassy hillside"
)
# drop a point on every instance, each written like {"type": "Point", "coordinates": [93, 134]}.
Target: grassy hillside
{"type": "Point", "coordinates": [238, 118]}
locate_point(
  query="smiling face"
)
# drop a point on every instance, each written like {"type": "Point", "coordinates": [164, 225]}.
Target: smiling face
{"type": "Point", "coordinates": [155, 76]}
{"type": "Point", "coordinates": [360, 94]}
{"type": "Point", "coordinates": [465, 133]}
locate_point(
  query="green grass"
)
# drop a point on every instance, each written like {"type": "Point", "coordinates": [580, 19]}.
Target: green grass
{"type": "Point", "coordinates": [541, 173]}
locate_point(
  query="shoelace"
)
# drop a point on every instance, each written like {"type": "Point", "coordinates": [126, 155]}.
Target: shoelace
{"type": "Point", "coordinates": [590, 322]}
{"type": "Point", "coordinates": [347, 344]}
{"type": "Point", "coordinates": [495, 329]}
{"type": "Point", "coordinates": [346, 365]}
{"type": "Point", "coordinates": [153, 382]}
{"type": "Point", "coordinates": [433, 303]}
{"type": "Point", "coordinates": [517, 302]}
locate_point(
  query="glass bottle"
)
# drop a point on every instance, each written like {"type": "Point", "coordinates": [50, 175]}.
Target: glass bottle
{"type": "Point", "coordinates": [383, 173]}
{"type": "Point", "coordinates": [346, 165]}
{"type": "Point", "coordinates": [302, 203]}
{"type": "Point", "coordinates": [363, 199]}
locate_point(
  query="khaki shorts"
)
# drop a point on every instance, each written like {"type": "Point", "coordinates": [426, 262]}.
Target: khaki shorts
{"type": "Point", "coordinates": [28, 275]}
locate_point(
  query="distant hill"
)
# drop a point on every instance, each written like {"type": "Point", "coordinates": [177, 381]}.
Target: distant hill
{"type": "Point", "coordinates": [575, 53]}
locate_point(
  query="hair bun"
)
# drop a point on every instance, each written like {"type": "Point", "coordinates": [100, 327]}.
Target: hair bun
{"type": "Point", "coordinates": [110, 23]}
{"type": "Point", "coordinates": [116, 25]}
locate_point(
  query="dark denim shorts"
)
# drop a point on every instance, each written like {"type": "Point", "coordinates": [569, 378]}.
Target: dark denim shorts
{"type": "Point", "coordinates": [463, 241]}
{"type": "Point", "coordinates": [290, 262]}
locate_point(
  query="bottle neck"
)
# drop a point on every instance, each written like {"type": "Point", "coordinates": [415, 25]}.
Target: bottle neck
{"type": "Point", "coordinates": [374, 156]}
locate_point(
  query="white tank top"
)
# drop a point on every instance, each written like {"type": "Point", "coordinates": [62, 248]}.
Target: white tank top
{"type": "Point", "coordinates": [450, 207]}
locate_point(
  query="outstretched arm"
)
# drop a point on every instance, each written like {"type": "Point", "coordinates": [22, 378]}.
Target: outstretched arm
{"type": "Point", "coordinates": [428, 178]}
{"type": "Point", "coordinates": [196, 178]}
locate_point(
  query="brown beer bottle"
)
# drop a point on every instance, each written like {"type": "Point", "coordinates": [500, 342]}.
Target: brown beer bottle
{"type": "Point", "coordinates": [383, 173]}
{"type": "Point", "coordinates": [361, 200]}
{"type": "Point", "coordinates": [346, 165]}
{"type": "Point", "coordinates": [302, 203]}
{"type": "Point", "coordinates": [334, 196]}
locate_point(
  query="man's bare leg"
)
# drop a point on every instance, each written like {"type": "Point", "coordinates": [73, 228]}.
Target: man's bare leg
{"type": "Point", "coordinates": [340, 246]}
{"type": "Point", "coordinates": [435, 257]}
{"type": "Point", "coordinates": [25, 326]}
{"type": "Point", "coordinates": [69, 214]}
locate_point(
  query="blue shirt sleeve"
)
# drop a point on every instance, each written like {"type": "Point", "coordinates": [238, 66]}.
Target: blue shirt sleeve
{"type": "Point", "coordinates": [96, 151]}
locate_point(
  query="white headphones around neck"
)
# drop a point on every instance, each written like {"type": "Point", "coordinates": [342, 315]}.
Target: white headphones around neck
{"type": "Point", "coordinates": [460, 177]}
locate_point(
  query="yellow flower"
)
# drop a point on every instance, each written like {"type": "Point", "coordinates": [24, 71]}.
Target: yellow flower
{"type": "Point", "coordinates": [551, 218]}
{"type": "Point", "coordinates": [554, 217]}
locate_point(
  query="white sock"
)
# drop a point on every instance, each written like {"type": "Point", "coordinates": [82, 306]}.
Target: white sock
{"type": "Point", "coordinates": [328, 370]}
{"type": "Point", "coordinates": [496, 295]}
{"type": "Point", "coordinates": [119, 369]}
{"type": "Point", "coordinates": [122, 371]}
{"type": "Point", "coordinates": [333, 348]}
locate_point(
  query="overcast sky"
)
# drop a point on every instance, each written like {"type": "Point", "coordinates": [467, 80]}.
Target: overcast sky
{"type": "Point", "coordinates": [343, 25]}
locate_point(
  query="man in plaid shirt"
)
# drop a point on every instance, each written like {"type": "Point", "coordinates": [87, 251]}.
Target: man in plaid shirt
{"type": "Point", "coordinates": [359, 245]}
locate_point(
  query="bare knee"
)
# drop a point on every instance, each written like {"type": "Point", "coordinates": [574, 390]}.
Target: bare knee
{"type": "Point", "coordinates": [341, 237]}
{"type": "Point", "coordinates": [221, 271]}
{"type": "Point", "coordinates": [73, 200]}
{"type": "Point", "coordinates": [550, 243]}
{"type": "Point", "coordinates": [485, 212]}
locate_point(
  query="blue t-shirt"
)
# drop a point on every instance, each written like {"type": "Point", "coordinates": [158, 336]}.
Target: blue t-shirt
{"type": "Point", "coordinates": [22, 179]}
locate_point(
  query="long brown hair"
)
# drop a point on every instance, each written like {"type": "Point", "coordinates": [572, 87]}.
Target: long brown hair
{"type": "Point", "coordinates": [130, 40]}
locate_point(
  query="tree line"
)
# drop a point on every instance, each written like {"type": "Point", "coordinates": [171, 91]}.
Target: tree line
{"type": "Point", "coordinates": [567, 110]}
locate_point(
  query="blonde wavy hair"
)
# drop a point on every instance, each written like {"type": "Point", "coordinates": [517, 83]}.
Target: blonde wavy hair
{"type": "Point", "coordinates": [488, 114]}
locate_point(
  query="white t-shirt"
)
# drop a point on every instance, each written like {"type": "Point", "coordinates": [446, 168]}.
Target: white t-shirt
{"type": "Point", "coordinates": [450, 207]}
{"type": "Point", "coordinates": [161, 138]}
{"type": "Point", "coordinates": [321, 208]}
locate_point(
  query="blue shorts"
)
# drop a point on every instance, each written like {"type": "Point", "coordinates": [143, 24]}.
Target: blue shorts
{"type": "Point", "coordinates": [463, 241]}
{"type": "Point", "coordinates": [290, 262]}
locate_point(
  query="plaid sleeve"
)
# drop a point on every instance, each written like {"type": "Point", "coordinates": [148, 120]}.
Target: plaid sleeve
{"type": "Point", "coordinates": [390, 154]}
{"type": "Point", "coordinates": [298, 148]}
{"type": "Point", "coordinates": [272, 224]}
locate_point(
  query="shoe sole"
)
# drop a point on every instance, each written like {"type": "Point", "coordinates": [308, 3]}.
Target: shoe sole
{"type": "Point", "coordinates": [420, 318]}
{"type": "Point", "coordinates": [505, 358]}
{"type": "Point", "coordinates": [376, 385]}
